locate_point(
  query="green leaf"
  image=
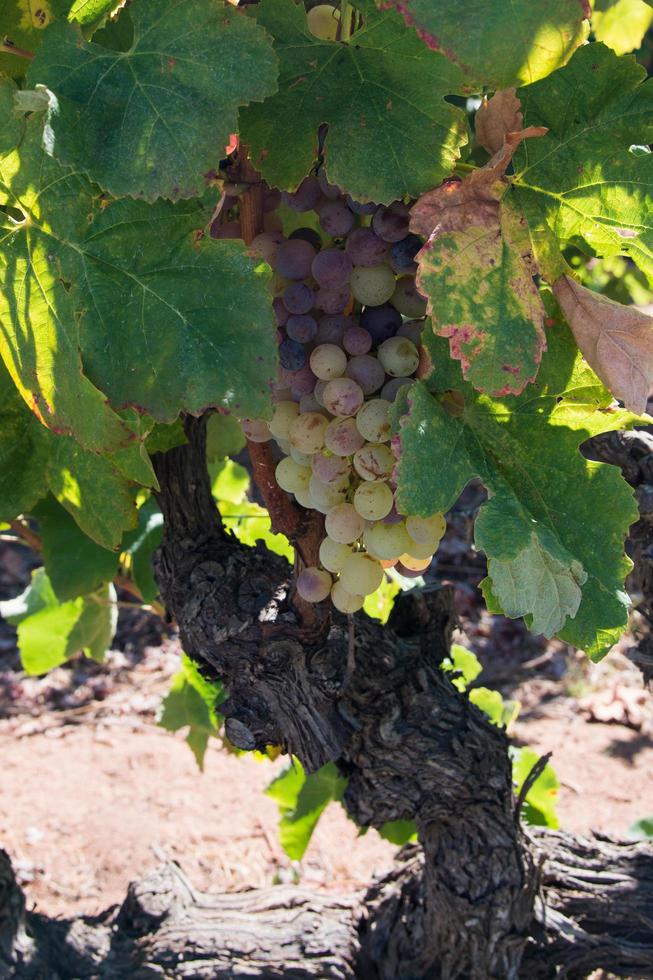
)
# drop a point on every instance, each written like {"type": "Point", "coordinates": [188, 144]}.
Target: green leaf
{"type": "Point", "coordinates": [164, 437]}
{"type": "Point", "coordinates": [92, 13]}
{"type": "Point", "coordinates": [490, 703]}
{"type": "Point", "coordinates": [50, 632]}
{"type": "Point", "coordinates": [585, 182]}
{"type": "Point", "coordinates": [141, 545]}
{"type": "Point", "coordinates": [398, 832]}
{"type": "Point", "coordinates": [39, 341]}
{"type": "Point", "coordinates": [641, 829]}
{"type": "Point", "coordinates": [382, 94]}
{"type": "Point", "coordinates": [482, 297]}
{"type": "Point", "coordinates": [248, 521]}
{"type": "Point", "coordinates": [544, 493]}
{"type": "Point", "coordinates": [499, 44]}
{"type": "Point", "coordinates": [379, 604]}
{"type": "Point", "coordinates": [465, 663]}
{"type": "Point", "coordinates": [23, 23]}
{"type": "Point", "coordinates": [183, 330]}
{"type": "Point", "coordinates": [23, 453]}
{"type": "Point", "coordinates": [151, 121]}
{"type": "Point", "coordinates": [191, 702]}
{"type": "Point", "coordinates": [224, 437]}
{"type": "Point", "coordinates": [621, 24]}
{"type": "Point", "coordinates": [542, 798]}
{"type": "Point", "coordinates": [74, 563]}
{"type": "Point", "coordinates": [302, 800]}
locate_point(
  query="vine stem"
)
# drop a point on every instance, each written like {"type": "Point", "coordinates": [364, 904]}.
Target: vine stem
{"type": "Point", "coordinates": [8, 47]}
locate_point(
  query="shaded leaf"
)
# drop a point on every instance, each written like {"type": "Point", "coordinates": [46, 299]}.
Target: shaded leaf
{"type": "Point", "coordinates": [498, 44]}
{"type": "Point", "coordinates": [382, 94]}
{"type": "Point", "coordinates": [23, 453]}
{"type": "Point", "coordinates": [586, 182]}
{"type": "Point", "coordinates": [151, 121]}
{"type": "Point", "coordinates": [616, 340]}
{"type": "Point", "coordinates": [141, 544]}
{"type": "Point", "coordinates": [92, 13]}
{"type": "Point", "coordinates": [192, 702]}
{"type": "Point", "coordinates": [398, 832]}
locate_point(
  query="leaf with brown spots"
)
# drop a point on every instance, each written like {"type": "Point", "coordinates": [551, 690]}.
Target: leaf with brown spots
{"type": "Point", "coordinates": [496, 118]}
{"type": "Point", "coordinates": [616, 341]}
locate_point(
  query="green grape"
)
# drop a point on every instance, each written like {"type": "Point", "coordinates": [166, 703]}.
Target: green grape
{"type": "Point", "coordinates": [333, 554]}
{"type": "Point", "coordinates": [284, 413]}
{"type": "Point", "coordinates": [373, 420]}
{"type": "Point", "coordinates": [361, 574]}
{"type": "Point", "coordinates": [374, 461]}
{"type": "Point", "coordinates": [415, 564]}
{"type": "Point", "coordinates": [303, 497]}
{"type": "Point", "coordinates": [407, 300]}
{"type": "Point", "coordinates": [256, 430]}
{"type": "Point", "coordinates": [344, 524]}
{"type": "Point", "coordinates": [292, 477]}
{"type": "Point", "coordinates": [323, 21]}
{"type": "Point", "coordinates": [426, 530]}
{"type": "Point", "coordinates": [386, 541]}
{"type": "Point", "coordinates": [307, 432]}
{"type": "Point", "coordinates": [344, 601]}
{"type": "Point", "coordinates": [314, 584]}
{"type": "Point", "coordinates": [372, 286]}
{"type": "Point", "coordinates": [328, 361]}
{"type": "Point", "coordinates": [324, 496]}
{"type": "Point", "coordinates": [373, 500]}
{"type": "Point", "coordinates": [399, 357]}
{"type": "Point", "coordinates": [304, 459]}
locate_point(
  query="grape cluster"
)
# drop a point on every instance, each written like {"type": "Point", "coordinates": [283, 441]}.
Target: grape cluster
{"type": "Point", "coordinates": [349, 320]}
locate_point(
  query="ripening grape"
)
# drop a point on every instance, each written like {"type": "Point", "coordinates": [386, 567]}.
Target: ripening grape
{"type": "Point", "coordinates": [334, 470]}
{"type": "Point", "coordinates": [306, 432]}
{"type": "Point", "coordinates": [285, 413]}
{"type": "Point", "coordinates": [402, 255]}
{"type": "Point", "coordinates": [302, 458]}
{"type": "Point", "coordinates": [391, 388]}
{"type": "Point", "coordinates": [281, 314]}
{"type": "Point", "coordinates": [309, 403]}
{"type": "Point", "coordinates": [294, 259]}
{"type": "Point", "coordinates": [415, 564]}
{"type": "Point", "coordinates": [292, 355]}
{"type": "Point", "coordinates": [391, 223]}
{"type": "Point", "coordinates": [381, 322]}
{"type": "Point", "coordinates": [331, 329]}
{"type": "Point", "coordinates": [373, 500]}
{"type": "Point", "coordinates": [361, 574]}
{"type": "Point", "coordinates": [302, 381]}
{"type": "Point", "coordinates": [292, 477]}
{"type": "Point", "coordinates": [309, 192]}
{"type": "Point", "coordinates": [333, 554]}
{"type": "Point", "coordinates": [365, 248]}
{"type": "Point", "coordinates": [335, 218]}
{"type": "Point", "coordinates": [372, 286]}
{"type": "Point", "coordinates": [256, 430]}
{"type": "Point", "coordinates": [399, 356]}
{"type": "Point", "coordinates": [373, 420]}
{"type": "Point", "coordinates": [314, 584]}
{"type": "Point", "coordinates": [309, 235]}
{"type": "Point", "coordinates": [328, 362]}
{"type": "Point", "coordinates": [426, 529]}
{"type": "Point", "coordinates": [406, 299]}
{"type": "Point", "coordinates": [303, 497]}
{"type": "Point", "coordinates": [342, 437]}
{"type": "Point", "coordinates": [333, 300]}
{"type": "Point", "coordinates": [332, 268]}
{"type": "Point", "coordinates": [298, 297]}
{"type": "Point", "coordinates": [367, 372]}
{"type": "Point", "coordinates": [267, 244]}
{"type": "Point", "coordinates": [386, 541]}
{"type": "Point", "coordinates": [421, 551]}
{"type": "Point", "coordinates": [344, 524]}
{"type": "Point", "coordinates": [324, 495]}
{"type": "Point", "coordinates": [344, 601]}
{"type": "Point", "coordinates": [342, 397]}
{"type": "Point", "coordinates": [357, 340]}
{"type": "Point", "coordinates": [374, 461]}
{"type": "Point", "coordinates": [412, 329]}
{"type": "Point", "coordinates": [360, 207]}
{"type": "Point", "coordinates": [302, 328]}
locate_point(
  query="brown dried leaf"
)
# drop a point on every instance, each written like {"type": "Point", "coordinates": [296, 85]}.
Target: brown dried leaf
{"type": "Point", "coordinates": [456, 204]}
{"type": "Point", "coordinates": [616, 341]}
{"type": "Point", "coordinates": [497, 118]}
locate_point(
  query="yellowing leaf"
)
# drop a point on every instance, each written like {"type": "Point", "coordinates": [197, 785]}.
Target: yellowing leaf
{"type": "Point", "coordinates": [616, 341]}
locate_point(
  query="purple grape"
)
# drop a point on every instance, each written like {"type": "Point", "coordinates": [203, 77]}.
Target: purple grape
{"type": "Point", "coordinates": [305, 197]}
{"type": "Point", "coordinates": [294, 258]}
{"type": "Point", "coordinates": [335, 218]}
{"type": "Point", "coordinates": [411, 329]}
{"type": "Point", "coordinates": [301, 382]}
{"type": "Point", "coordinates": [381, 321]}
{"type": "Point", "coordinates": [303, 329]}
{"type": "Point", "coordinates": [358, 207]}
{"type": "Point", "coordinates": [298, 297]}
{"type": "Point", "coordinates": [357, 340]}
{"type": "Point", "coordinates": [367, 372]}
{"type": "Point", "coordinates": [333, 300]}
{"type": "Point", "coordinates": [394, 517]}
{"type": "Point", "coordinates": [266, 245]}
{"type": "Point", "coordinates": [402, 254]}
{"type": "Point", "coordinates": [331, 329]}
{"type": "Point", "coordinates": [330, 191]}
{"type": "Point", "coordinates": [280, 311]}
{"type": "Point", "coordinates": [391, 223]}
{"type": "Point", "coordinates": [309, 403]}
{"type": "Point", "coordinates": [365, 248]}
{"type": "Point", "coordinates": [331, 268]}
{"type": "Point", "coordinates": [292, 355]}
{"type": "Point", "coordinates": [271, 198]}
{"type": "Point", "coordinates": [391, 388]}
{"type": "Point", "coordinates": [308, 235]}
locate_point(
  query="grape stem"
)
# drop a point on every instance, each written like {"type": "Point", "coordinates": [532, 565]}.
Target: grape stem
{"type": "Point", "coordinates": [8, 47]}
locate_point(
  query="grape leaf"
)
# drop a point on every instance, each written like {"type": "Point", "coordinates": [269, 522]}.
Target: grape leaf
{"type": "Point", "coordinates": [192, 701]}
{"type": "Point", "coordinates": [496, 117]}
{"type": "Point", "coordinates": [544, 494]}
{"type": "Point", "coordinates": [23, 23]}
{"type": "Point", "coordinates": [621, 24]}
{"type": "Point", "coordinates": [542, 797]}
{"type": "Point", "coordinates": [498, 44]}
{"type": "Point", "coordinates": [23, 453]}
{"type": "Point", "coordinates": [381, 93]}
{"type": "Point", "coordinates": [74, 563]}
{"type": "Point", "coordinates": [50, 632]}
{"type": "Point", "coordinates": [151, 121]}
{"type": "Point", "coordinates": [184, 329]}
{"type": "Point", "coordinates": [92, 13]}
{"type": "Point", "coordinates": [302, 799]}
{"type": "Point", "coordinates": [141, 544]}
{"type": "Point", "coordinates": [586, 181]}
